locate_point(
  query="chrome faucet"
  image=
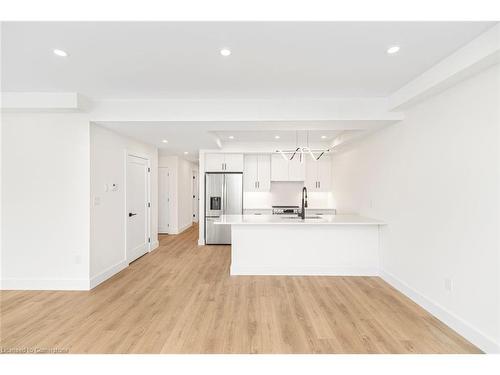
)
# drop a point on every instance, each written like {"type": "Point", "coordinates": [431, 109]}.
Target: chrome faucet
{"type": "Point", "coordinates": [302, 213]}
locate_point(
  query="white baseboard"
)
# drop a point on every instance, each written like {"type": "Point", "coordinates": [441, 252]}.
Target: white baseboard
{"type": "Point", "coordinates": [304, 271]}
{"type": "Point", "coordinates": [472, 334]}
{"type": "Point", "coordinates": [201, 242]}
{"type": "Point", "coordinates": [179, 230]}
{"type": "Point", "coordinates": [182, 229]}
{"type": "Point", "coordinates": [45, 284]}
{"type": "Point", "coordinates": [106, 274]}
{"type": "Point", "coordinates": [155, 245]}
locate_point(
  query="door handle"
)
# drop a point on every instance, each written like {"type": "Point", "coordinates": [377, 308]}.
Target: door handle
{"type": "Point", "coordinates": [130, 214]}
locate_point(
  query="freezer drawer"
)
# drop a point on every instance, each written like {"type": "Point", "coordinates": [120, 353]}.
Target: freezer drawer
{"type": "Point", "coordinates": [216, 234]}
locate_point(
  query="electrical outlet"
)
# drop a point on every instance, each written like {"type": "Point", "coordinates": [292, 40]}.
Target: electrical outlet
{"type": "Point", "coordinates": [78, 259]}
{"type": "Point", "coordinates": [448, 285]}
{"type": "Point", "coordinates": [97, 201]}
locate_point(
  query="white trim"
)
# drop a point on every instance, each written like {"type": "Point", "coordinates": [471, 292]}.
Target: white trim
{"type": "Point", "coordinates": [106, 274]}
{"type": "Point", "coordinates": [459, 325]}
{"type": "Point", "coordinates": [45, 284]}
{"type": "Point", "coordinates": [480, 53]}
{"type": "Point", "coordinates": [304, 271]}
{"type": "Point", "coordinates": [179, 230]}
{"type": "Point", "coordinates": [185, 227]}
{"type": "Point", "coordinates": [154, 245]}
{"type": "Point", "coordinates": [48, 101]}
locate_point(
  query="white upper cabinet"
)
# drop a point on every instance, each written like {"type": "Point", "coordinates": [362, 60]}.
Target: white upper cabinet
{"type": "Point", "coordinates": [257, 173]}
{"type": "Point", "coordinates": [279, 168]}
{"type": "Point", "coordinates": [287, 170]}
{"type": "Point", "coordinates": [224, 162]}
{"type": "Point", "coordinates": [233, 162]}
{"type": "Point", "coordinates": [264, 172]}
{"type": "Point", "coordinates": [297, 169]}
{"type": "Point", "coordinates": [214, 162]}
{"type": "Point", "coordinates": [319, 174]}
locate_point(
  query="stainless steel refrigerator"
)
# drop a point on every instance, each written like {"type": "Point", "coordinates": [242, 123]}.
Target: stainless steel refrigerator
{"type": "Point", "coordinates": [223, 196]}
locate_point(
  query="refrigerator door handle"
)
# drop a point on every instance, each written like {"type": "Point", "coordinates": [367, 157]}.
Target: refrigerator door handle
{"type": "Point", "coordinates": [225, 195]}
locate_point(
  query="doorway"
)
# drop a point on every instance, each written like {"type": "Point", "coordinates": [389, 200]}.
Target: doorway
{"type": "Point", "coordinates": [138, 207]}
{"type": "Point", "coordinates": [163, 200]}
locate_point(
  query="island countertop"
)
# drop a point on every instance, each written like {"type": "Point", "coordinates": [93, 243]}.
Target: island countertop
{"type": "Point", "coordinates": [293, 219]}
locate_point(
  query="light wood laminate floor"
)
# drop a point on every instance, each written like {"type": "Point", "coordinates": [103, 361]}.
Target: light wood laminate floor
{"type": "Point", "coordinates": [181, 299]}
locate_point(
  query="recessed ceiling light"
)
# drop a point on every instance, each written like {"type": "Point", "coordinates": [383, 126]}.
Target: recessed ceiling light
{"type": "Point", "coordinates": [323, 137]}
{"type": "Point", "coordinates": [392, 50]}
{"type": "Point", "coordinates": [185, 152]}
{"type": "Point", "coordinates": [225, 52]}
{"type": "Point", "coordinates": [60, 52]}
{"type": "Point", "coordinates": [165, 141]}
{"type": "Point", "coordinates": [276, 137]}
{"type": "Point", "coordinates": [231, 137]}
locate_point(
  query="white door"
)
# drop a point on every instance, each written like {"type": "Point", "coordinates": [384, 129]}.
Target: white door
{"type": "Point", "coordinates": [163, 200]}
{"type": "Point", "coordinates": [137, 207]}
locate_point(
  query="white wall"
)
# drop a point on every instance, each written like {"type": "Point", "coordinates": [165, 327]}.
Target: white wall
{"type": "Point", "coordinates": [181, 192]}
{"type": "Point", "coordinates": [108, 208]}
{"type": "Point", "coordinates": [45, 212]}
{"type": "Point", "coordinates": [434, 178]}
{"type": "Point", "coordinates": [286, 193]}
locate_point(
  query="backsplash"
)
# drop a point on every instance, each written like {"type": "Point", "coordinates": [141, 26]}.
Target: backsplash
{"type": "Point", "coordinates": [286, 193]}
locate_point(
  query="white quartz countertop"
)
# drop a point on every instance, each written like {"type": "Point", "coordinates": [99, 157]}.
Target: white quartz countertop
{"type": "Point", "coordinates": [292, 219]}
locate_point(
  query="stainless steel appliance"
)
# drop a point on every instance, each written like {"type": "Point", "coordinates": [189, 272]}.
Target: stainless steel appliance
{"type": "Point", "coordinates": [286, 210]}
{"type": "Point", "coordinates": [223, 196]}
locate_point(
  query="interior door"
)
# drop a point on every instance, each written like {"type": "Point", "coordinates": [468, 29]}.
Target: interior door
{"type": "Point", "coordinates": [137, 207]}
{"type": "Point", "coordinates": [163, 200]}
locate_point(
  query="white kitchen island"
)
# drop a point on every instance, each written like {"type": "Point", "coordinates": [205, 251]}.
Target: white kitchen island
{"type": "Point", "coordinates": [288, 245]}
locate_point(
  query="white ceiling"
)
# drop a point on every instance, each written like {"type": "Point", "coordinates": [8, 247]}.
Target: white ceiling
{"type": "Point", "coordinates": [192, 136]}
{"type": "Point", "coordinates": [182, 60]}
{"type": "Point", "coordinates": [285, 136]}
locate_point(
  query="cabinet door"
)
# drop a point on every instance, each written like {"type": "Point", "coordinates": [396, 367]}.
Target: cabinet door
{"type": "Point", "coordinates": [324, 173]}
{"type": "Point", "coordinates": [264, 172]}
{"type": "Point", "coordinates": [296, 169]}
{"type": "Point", "coordinates": [279, 168]}
{"type": "Point", "coordinates": [311, 174]}
{"type": "Point", "coordinates": [234, 162]}
{"type": "Point", "coordinates": [250, 173]}
{"type": "Point", "coordinates": [214, 162]}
